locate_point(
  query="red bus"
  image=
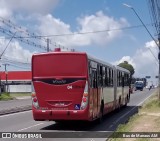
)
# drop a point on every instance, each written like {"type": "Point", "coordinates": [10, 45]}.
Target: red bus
{"type": "Point", "coordinates": [76, 86]}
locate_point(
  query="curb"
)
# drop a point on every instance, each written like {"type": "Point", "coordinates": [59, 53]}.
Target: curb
{"type": "Point", "coordinates": [15, 110]}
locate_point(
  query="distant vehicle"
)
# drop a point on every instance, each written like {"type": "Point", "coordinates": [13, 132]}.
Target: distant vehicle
{"type": "Point", "coordinates": [150, 85]}
{"type": "Point", "coordinates": [76, 86]}
{"type": "Point", "coordinates": [139, 85]}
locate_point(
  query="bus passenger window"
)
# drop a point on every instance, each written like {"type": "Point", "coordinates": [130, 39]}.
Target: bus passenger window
{"type": "Point", "coordinates": [120, 83]}
{"type": "Point", "coordinates": [123, 81]}
{"type": "Point", "coordinates": [109, 77]}
{"type": "Point", "coordinates": [94, 79]}
{"type": "Point", "coordinates": [100, 77]}
{"type": "Point", "coordinates": [106, 77]}
{"type": "Point", "coordinates": [112, 78]}
{"type": "Point", "coordinates": [91, 77]}
{"type": "Point", "coordinates": [117, 78]}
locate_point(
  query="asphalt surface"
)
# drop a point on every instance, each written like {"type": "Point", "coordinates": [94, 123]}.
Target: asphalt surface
{"type": "Point", "coordinates": [13, 106]}
{"type": "Point", "coordinates": [23, 121]}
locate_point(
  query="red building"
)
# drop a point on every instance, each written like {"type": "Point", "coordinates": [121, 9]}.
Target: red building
{"type": "Point", "coordinates": [16, 81]}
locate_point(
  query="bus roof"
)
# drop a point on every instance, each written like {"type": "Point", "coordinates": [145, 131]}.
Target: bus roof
{"type": "Point", "coordinates": [122, 69]}
{"type": "Point", "coordinates": [88, 56]}
{"type": "Point", "coordinates": [100, 61]}
{"type": "Point", "coordinates": [82, 53]}
{"type": "Point", "coordinates": [64, 52]}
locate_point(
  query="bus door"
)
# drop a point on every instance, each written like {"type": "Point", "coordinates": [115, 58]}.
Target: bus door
{"type": "Point", "coordinates": [95, 93]}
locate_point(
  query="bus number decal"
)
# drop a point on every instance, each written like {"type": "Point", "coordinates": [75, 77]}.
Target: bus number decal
{"type": "Point", "coordinates": [69, 87]}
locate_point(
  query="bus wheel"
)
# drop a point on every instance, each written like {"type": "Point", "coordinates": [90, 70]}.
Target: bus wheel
{"type": "Point", "coordinates": [129, 97]}
{"type": "Point", "coordinates": [126, 101]}
{"type": "Point", "coordinates": [119, 104]}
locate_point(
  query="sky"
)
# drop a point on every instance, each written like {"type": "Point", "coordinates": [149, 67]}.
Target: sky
{"type": "Point", "coordinates": [121, 38]}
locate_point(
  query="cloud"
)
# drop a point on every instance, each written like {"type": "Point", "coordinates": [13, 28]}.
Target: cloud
{"type": "Point", "coordinates": [15, 51]}
{"type": "Point", "coordinates": [125, 58]}
{"type": "Point", "coordinates": [5, 13]}
{"type": "Point", "coordinates": [29, 6]}
{"type": "Point", "coordinates": [143, 61]}
{"type": "Point", "coordinates": [89, 23]}
{"type": "Point", "coordinates": [151, 44]}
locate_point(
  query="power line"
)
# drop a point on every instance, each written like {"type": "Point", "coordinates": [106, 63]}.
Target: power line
{"type": "Point", "coordinates": [25, 68]}
{"type": "Point", "coordinates": [11, 25]}
{"type": "Point", "coordinates": [71, 34]}
{"type": "Point", "coordinates": [32, 43]}
{"type": "Point", "coordinates": [89, 32]}
{"type": "Point", "coordinates": [155, 10]}
{"type": "Point", "coordinates": [15, 61]}
{"type": "Point", "coordinates": [7, 45]}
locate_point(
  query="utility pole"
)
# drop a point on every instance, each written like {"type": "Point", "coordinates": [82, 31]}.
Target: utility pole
{"type": "Point", "coordinates": [0, 83]}
{"type": "Point", "coordinates": [5, 65]}
{"type": "Point", "coordinates": [158, 44]}
{"type": "Point", "coordinates": [159, 67]}
{"type": "Point", "coordinates": [47, 44]}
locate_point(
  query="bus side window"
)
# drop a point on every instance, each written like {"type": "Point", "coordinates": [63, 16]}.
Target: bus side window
{"type": "Point", "coordinates": [106, 76]}
{"type": "Point", "coordinates": [91, 77]}
{"type": "Point", "coordinates": [117, 78]}
{"type": "Point", "coordinates": [94, 79]}
{"type": "Point", "coordinates": [123, 81]}
{"type": "Point", "coordinates": [112, 77]}
{"type": "Point", "coordinates": [120, 83]}
{"type": "Point", "coordinates": [127, 79]}
{"type": "Point", "coordinates": [109, 77]}
{"type": "Point", "coordinates": [101, 76]}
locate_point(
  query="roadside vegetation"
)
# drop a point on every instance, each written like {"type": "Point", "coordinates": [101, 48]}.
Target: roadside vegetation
{"type": "Point", "coordinates": [20, 94]}
{"type": "Point", "coordinates": [146, 120]}
{"type": "Point", "coordinates": [11, 96]}
{"type": "Point", "coordinates": [5, 96]}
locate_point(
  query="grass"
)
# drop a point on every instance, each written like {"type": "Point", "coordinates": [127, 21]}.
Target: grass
{"type": "Point", "coordinates": [10, 96]}
{"type": "Point", "coordinates": [20, 94]}
{"type": "Point", "coordinates": [5, 96]}
{"type": "Point", "coordinates": [151, 105]}
{"type": "Point", "coordinates": [143, 118]}
{"type": "Point", "coordinates": [129, 125]}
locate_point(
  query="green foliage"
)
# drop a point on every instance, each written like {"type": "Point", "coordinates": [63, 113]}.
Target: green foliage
{"type": "Point", "coordinates": [5, 96]}
{"type": "Point", "coordinates": [153, 104]}
{"type": "Point", "coordinates": [127, 66]}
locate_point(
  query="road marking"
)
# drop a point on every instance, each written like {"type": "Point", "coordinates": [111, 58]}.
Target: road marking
{"type": "Point", "coordinates": [129, 111]}
{"type": "Point", "coordinates": [30, 126]}
{"type": "Point", "coordinates": [144, 100]}
{"type": "Point", "coordinates": [14, 114]}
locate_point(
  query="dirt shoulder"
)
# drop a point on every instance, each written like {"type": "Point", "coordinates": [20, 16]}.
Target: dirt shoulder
{"type": "Point", "coordinates": [146, 120]}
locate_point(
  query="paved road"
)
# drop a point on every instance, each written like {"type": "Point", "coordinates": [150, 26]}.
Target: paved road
{"type": "Point", "coordinates": [23, 121]}
{"type": "Point", "coordinates": [12, 106]}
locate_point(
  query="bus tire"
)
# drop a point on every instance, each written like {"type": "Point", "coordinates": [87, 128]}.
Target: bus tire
{"type": "Point", "coordinates": [129, 97]}
{"type": "Point", "coordinates": [119, 104]}
{"type": "Point", "coordinates": [126, 101]}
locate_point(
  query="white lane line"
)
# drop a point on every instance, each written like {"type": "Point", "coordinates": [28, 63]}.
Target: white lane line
{"type": "Point", "coordinates": [15, 114]}
{"type": "Point", "coordinates": [144, 100]}
{"type": "Point", "coordinates": [129, 111]}
{"type": "Point", "coordinates": [30, 127]}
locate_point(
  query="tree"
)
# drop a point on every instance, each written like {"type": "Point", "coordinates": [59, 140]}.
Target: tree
{"type": "Point", "coordinates": [127, 66]}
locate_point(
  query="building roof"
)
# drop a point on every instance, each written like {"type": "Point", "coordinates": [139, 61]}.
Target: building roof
{"type": "Point", "coordinates": [16, 75]}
